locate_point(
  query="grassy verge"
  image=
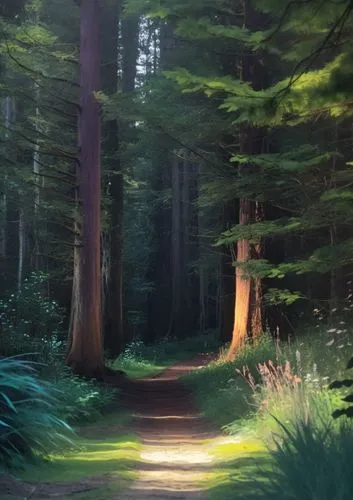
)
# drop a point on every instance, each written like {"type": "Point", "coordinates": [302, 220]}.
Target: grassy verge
{"type": "Point", "coordinates": [236, 470]}
{"type": "Point", "coordinates": [274, 398]}
{"type": "Point", "coordinates": [103, 450]}
{"type": "Point", "coordinates": [266, 380]}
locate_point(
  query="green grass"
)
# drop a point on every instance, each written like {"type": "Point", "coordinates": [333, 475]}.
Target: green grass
{"type": "Point", "coordinates": [139, 360]}
{"type": "Point", "coordinates": [313, 462]}
{"type": "Point", "coordinates": [239, 471]}
{"type": "Point", "coordinates": [220, 393]}
{"type": "Point", "coordinates": [103, 449]}
{"type": "Point", "coordinates": [227, 399]}
{"type": "Point", "coordinates": [282, 385]}
{"type": "Point", "coordinates": [135, 368]}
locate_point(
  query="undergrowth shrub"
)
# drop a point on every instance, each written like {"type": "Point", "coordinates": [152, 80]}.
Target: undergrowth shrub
{"type": "Point", "coordinates": [312, 462]}
{"type": "Point", "coordinates": [30, 425]}
{"type": "Point", "coordinates": [82, 400]}
{"type": "Point", "coordinates": [31, 323]}
{"type": "Point", "coordinates": [268, 377]}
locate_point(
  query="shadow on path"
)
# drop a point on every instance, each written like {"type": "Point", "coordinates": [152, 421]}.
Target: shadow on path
{"type": "Point", "coordinates": [174, 458]}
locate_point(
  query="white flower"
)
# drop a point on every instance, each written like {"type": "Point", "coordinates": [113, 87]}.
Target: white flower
{"type": "Point", "coordinates": [331, 342]}
{"type": "Point", "coordinates": [331, 330]}
{"type": "Point", "coordinates": [340, 346]}
{"type": "Point", "coordinates": [342, 322]}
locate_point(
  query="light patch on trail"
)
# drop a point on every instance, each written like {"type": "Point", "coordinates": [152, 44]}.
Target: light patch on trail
{"type": "Point", "coordinates": [176, 455]}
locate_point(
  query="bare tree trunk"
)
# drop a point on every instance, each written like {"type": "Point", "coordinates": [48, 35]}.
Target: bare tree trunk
{"type": "Point", "coordinates": [248, 314]}
{"type": "Point", "coordinates": [113, 239]}
{"type": "Point", "coordinates": [257, 320]}
{"type": "Point", "coordinates": [86, 353]}
{"type": "Point", "coordinates": [242, 285]}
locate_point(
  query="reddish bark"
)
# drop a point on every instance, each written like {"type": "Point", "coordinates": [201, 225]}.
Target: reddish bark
{"type": "Point", "coordinates": [86, 353]}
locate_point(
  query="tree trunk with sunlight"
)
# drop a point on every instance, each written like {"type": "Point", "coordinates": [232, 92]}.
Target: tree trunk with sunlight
{"type": "Point", "coordinates": [248, 312]}
{"type": "Point", "coordinates": [86, 353]}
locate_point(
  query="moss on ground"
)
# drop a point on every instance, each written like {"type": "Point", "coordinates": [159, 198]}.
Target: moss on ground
{"type": "Point", "coordinates": [103, 450]}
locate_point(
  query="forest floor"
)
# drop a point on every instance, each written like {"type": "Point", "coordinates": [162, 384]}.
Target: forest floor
{"type": "Point", "coordinates": [183, 456]}
{"type": "Point", "coordinates": [163, 450]}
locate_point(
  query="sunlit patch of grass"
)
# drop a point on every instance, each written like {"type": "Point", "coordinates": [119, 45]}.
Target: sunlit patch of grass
{"type": "Point", "coordinates": [135, 368]}
{"type": "Point", "coordinates": [225, 451]}
{"type": "Point", "coordinates": [240, 470]}
{"type": "Point", "coordinates": [102, 450]}
{"type": "Point", "coordinates": [94, 458]}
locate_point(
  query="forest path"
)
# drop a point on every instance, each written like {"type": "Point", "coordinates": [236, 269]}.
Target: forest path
{"type": "Point", "coordinates": [174, 458]}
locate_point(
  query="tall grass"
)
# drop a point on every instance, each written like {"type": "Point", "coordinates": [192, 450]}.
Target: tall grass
{"type": "Point", "coordinates": [267, 380]}
{"type": "Point", "coordinates": [279, 393]}
{"type": "Point", "coordinates": [29, 421]}
{"type": "Point", "coordinates": [312, 462]}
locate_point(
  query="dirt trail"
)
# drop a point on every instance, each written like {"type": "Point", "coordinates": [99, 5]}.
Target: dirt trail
{"type": "Point", "coordinates": [174, 458]}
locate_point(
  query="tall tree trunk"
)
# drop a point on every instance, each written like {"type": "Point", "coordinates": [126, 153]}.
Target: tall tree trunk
{"type": "Point", "coordinates": [227, 279]}
{"type": "Point", "coordinates": [86, 353]}
{"type": "Point", "coordinates": [119, 136]}
{"type": "Point", "coordinates": [113, 240]}
{"type": "Point", "coordinates": [248, 317]}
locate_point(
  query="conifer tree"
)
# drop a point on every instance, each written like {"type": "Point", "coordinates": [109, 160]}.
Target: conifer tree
{"type": "Point", "coordinates": [86, 350]}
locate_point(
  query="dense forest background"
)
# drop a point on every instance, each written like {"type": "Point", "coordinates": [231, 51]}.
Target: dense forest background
{"type": "Point", "coordinates": [176, 249]}
{"type": "Point", "coordinates": [226, 152]}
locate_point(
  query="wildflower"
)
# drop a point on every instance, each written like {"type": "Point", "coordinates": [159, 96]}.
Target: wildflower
{"type": "Point", "coordinates": [331, 342]}
{"type": "Point", "coordinates": [331, 330]}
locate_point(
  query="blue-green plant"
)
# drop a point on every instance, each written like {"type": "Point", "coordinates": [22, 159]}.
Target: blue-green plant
{"type": "Point", "coordinates": [30, 426]}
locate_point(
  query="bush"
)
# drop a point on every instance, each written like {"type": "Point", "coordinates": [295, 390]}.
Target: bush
{"type": "Point", "coordinates": [30, 322]}
{"type": "Point", "coordinates": [312, 462]}
{"type": "Point", "coordinates": [29, 421]}
{"type": "Point", "coordinates": [81, 400]}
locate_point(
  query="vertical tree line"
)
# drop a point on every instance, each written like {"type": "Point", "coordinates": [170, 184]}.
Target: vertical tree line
{"type": "Point", "coordinates": [211, 186]}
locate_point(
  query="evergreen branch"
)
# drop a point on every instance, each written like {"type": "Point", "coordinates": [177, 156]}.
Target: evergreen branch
{"type": "Point", "coordinates": [311, 59]}
{"type": "Point", "coordinates": [36, 72]}
{"type": "Point", "coordinates": [283, 17]}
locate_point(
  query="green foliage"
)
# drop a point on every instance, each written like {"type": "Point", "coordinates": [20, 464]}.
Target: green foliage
{"type": "Point", "coordinates": [271, 378]}
{"type": "Point", "coordinates": [31, 323]}
{"type": "Point", "coordinates": [312, 462]}
{"type": "Point", "coordinates": [29, 421]}
{"type": "Point", "coordinates": [82, 400]}
{"type": "Point", "coordinates": [139, 360]}
{"type": "Point", "coordinates": [338, 384]}
{"type": "Point", "coordinates": [221, 394]}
